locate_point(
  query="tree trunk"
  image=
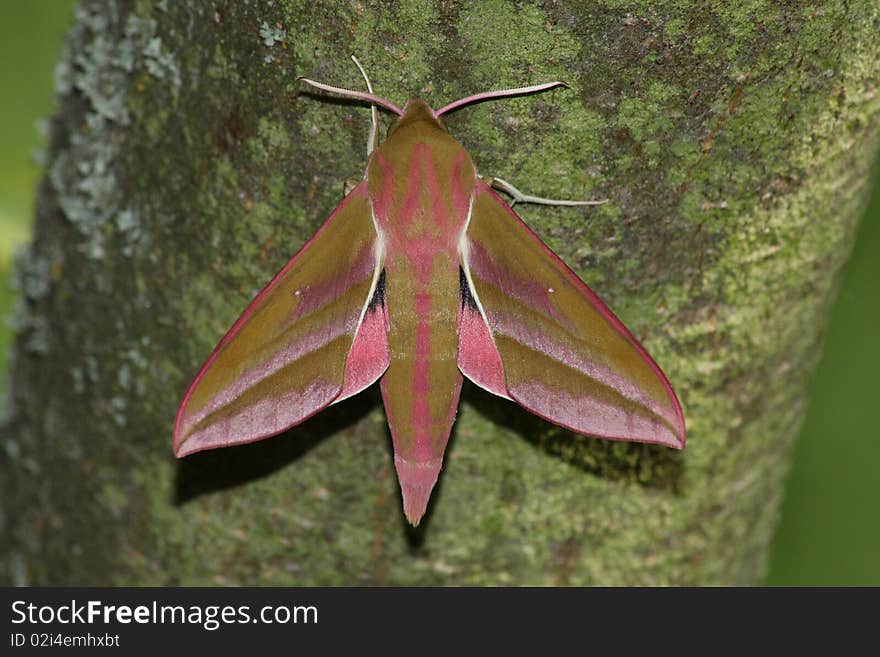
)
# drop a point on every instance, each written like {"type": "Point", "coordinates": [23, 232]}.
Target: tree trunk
{"type": "Point", "coordinates": [187, 165]}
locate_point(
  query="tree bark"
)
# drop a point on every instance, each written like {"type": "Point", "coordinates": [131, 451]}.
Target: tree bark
{"type": "Point", "coordinates": [187, 165]}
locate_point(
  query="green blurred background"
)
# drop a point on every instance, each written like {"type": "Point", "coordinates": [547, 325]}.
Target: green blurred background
{"type": "Point", "coordinates": [829, 532]}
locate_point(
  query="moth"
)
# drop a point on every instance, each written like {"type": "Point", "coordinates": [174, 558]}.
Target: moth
{"type": "Point", "coordinates": [421, 276]}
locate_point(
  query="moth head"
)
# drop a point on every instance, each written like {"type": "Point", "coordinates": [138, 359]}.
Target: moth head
{"type": "Point", "coordinates": [416, 111]}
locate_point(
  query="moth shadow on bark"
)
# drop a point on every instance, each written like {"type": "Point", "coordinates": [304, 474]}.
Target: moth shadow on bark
{"type": "Point", "coordinates": [223, 468]}
{"type": "Point", "coordinates": [651, 466]}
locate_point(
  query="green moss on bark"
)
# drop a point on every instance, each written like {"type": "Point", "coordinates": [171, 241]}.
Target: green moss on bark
{"type": "Point", "coordinates": [186, 167]}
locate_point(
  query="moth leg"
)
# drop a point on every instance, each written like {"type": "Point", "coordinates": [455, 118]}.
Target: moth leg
{"type": "Point", "coordinates": [519, 197]}
{"type": "Point", "coordinates": [349, 185]}
{"type": "Point", "coordinates": [373, 139]}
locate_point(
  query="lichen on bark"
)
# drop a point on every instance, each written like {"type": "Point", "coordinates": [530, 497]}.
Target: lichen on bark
{"type": "Point", "coordinates": [186, 166]}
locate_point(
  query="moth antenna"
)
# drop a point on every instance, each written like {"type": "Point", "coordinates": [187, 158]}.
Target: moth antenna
{"type": "Point", "coordinates": [374, 113]}
{"type": "Point", "coordinates": [501, 93]}
{"type": "Point", "coordinates": [349, 93]}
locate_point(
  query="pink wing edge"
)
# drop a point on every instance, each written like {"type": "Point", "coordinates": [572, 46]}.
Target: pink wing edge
{"type": "Point", "coordinates": [480, 362]}
{"type": "Point", "coordinates": [368, 340]}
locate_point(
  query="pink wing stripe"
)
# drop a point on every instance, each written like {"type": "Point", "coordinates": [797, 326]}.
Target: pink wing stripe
{"type": "Point", "coordinates": [283, 409]}
{"type": "Point", "coordinates": [263, 419]}
{"type": "Point", "coordinates": [369, 356]}
{"type": "Point", "coordinates": [316, 295]}
{"type": "Point", "coordinates": [478, 357]}
{"type": "Point", "coordinates": [529, 336]}
{"type": "Point", "coordinates": [530, 293]}
{"type": "Point", "coordinates": [587, 415]}
{"type": "Point", "coordinates": [553, 406]}
{"type": "Point", "coordinates": [249, 378]}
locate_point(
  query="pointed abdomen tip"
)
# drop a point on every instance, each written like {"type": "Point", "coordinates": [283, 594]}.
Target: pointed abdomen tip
{"type": "Point", "coordinates": [415, 502]}
{"type": "Point", "coordinates": [416, 483]}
